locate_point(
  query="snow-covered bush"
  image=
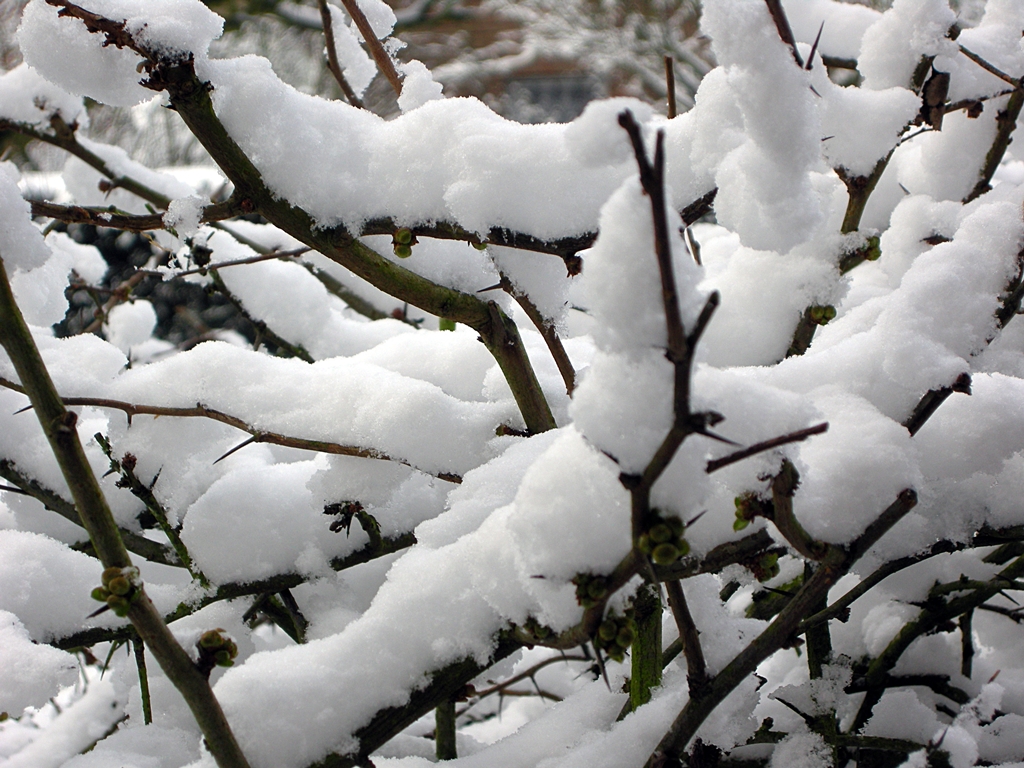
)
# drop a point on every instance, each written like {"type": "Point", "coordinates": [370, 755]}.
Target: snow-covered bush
{"type": "Point", "coordinates": [523, 398]}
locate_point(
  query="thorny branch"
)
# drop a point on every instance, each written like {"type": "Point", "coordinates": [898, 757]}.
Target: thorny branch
{"type": "Point", "coordinates": [258, 436]}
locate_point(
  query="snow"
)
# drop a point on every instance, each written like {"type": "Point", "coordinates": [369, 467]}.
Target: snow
{"type": "Point", "coordinates": [531, 513]}
{"type": "Point", "coordinates": [28, 98]}
{"type": "Point", "coordinates": [33, 673]}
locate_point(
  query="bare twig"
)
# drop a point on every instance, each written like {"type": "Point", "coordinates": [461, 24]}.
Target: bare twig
{"type": "Point", "coordinates": [1016, 83]}
{"type": "Point", "coordinates": [380, 56]}
{"type": "Point", "coordinates": [332, 56]}
{"type": "Point", "coordinates": [782, 25]}
{"type": "Point", "coordinates": [111, 217]}
{"type": "Point", "coordinates": [59, 426]}
{"type": "Point", "coordinates": [200, 411]}
{"type": "Point", "coordinates": [696, 669]}
{"type": "Point", "coordinates": [547, 331]}
{"type": "Point", "coordinates": [793, 437]}
{"type": "Point", "coordinates": [670, 85]}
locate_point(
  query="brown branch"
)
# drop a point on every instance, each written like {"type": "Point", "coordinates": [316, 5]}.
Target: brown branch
{"type": "Point", "coordinates": [63, 136]}
{"type": "Point", "coordinates": [153, 551]}
{"type": "Point", "coordinates": [779, 633]}
{"type": "Point", "coordinates": [332, 56]}
{"type": "Point", "coordinates": [260, 436]}
{"type": "Point", "coordinates": [381, 56]}
{"type": "Point", "coordinates": [58, 425]}
{"type": "Point", "coordinates": [111, 217]}
{"type": "Point", "coordinates": [235, 590]}
{"type": "Point", "coordinates": [782, 25]}
{"type": "Point", "coordinates": [1015, 82]}
{"type": "Point", "coordinates": [793, 437]}
{"type": "Point", "coordinates": [670, 85]}
{"type": "Point", "coordinates": [696, 668]}
{"type": "Point", "coordinates": [1006, 122]}
{"type": "Point", "coordinates": [547, 331]}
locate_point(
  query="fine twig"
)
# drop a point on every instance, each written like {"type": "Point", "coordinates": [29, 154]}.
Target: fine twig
{"type": "Point", "coordinates": [380, 55]}
{"type": "Point", "coordinates": [235, 590]}
{"type": "Point", "coordinates": [938, 612]}
{"type": "Point", "coordinates": [63, 136]}
{"type": "Point", "coordinates": [115, 219]}
{"type": "Point", "coordinates": [779, 633]}
{"type": "Point", "coordinates": [1012, 81]}
{"type": "Point", "coordinates": [272, 438]}
{"type": "Point", "coordinates": [59, 426]}
{"type": "Point", "coordinates": [140, 664]}
{"type": "Point", "coordinates": [153, 551]}
{"type": "Point", "coordinates": [793, 437]}
{"type": "Point", "coordinates": [785, 32]}
{"type": "Point", "coordinates": [263, 331]}
{"type": "Point", "coordinates": [332, 56]}
{"type": "Point", "coordinates": [670, 85]}
{"type": "Point", "coordinates": [696, 668]}
{"type": "Point", "coordinates": [547, 331]}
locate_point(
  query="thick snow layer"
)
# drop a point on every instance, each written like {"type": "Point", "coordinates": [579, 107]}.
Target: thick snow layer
{"type": "Point", "coordinates": [21, 244]}
{"type": "Point", "coordinates": [893, 46]}
{"type": "Point", "coordinates": [765, 192]}
{"type": "Point", "coordinates": [32, 673]}
{"type": "Point", "coordinates": [28, 98]}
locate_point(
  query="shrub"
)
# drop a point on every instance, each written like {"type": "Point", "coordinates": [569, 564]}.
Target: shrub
{"type": "Point", "coordinates": [717, 489]}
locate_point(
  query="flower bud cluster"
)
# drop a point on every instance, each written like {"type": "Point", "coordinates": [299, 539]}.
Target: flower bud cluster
{"type": "Point", "coordinates": [663, 541]}
{"type": "Point", "coordinates": [120, 588]}
{"type": "Point", "coordinates": [615, 635]}
{"type": "Point", "coordinates": [216, 648]}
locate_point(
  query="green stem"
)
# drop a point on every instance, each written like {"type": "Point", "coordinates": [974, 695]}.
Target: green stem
{"type": "Point", "coordinates": [59, 427]}
{"type": "Point", "coordinates": [444, 730]}
{"type": "Point", "coordinates": [645, 653]}
{"type": "Point", "coordinates": [140, 663]}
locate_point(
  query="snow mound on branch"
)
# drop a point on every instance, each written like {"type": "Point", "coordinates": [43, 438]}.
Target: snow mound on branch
{"type": "Point", "coordinates": [26, 97]}
{"type": "Point", "coordinates": [32, 672]}
{"type": "Point", "coordinates": [64, 52]}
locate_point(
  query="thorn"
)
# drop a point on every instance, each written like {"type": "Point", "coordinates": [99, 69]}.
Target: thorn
{"type": "Point", "coordinates": [814, 48]}
{"type": "Point", "coordinates": [713, 436]}
{"type": "Point", "coordinates": [98, 611]}
{"type": "Point", "coordinates": [494, 287]}
{"type": "Point", "coordinates": [695, 518]}
{"type": "Point", "coordinates": [600, 665]}
{"type": "Point", "coordinates": [240, 446]}
{"type": "Point", "coordinates": [22, 410]}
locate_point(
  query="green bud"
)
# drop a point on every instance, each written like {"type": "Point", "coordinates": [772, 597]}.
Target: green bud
{"type": "Point", "coordinates": [444, 324]}
{"type": "Point", "coordinates": [541, 631]}
{"type": "Point", "coordinates": [211, 639]}
{"type": "Point", "coordinates": [480, 246]}
{"type": "Point", "coordinates": [660, 533]}
{"type": "Point", "coordinates": [223, 659]}
{"type": "Point", "coordinates": [644, 544]}
{"type": "Point", "coordinates": [402, 251]}
{"type": "Point", "coordinates": [665, 554]}
{"type": "Point", "coordinates": [596, 589]}
{"type": "Point", "coordinates": [817, 313]}
{"type": "Point", "coordinates": [683, 546]}
{"type": "Point", "coordinates": [676, 525]}
{"type": "Point", "coordinates": [873, 250]}
{"type": "Point", "coordinates": [110, 573]}
{"type": "Point", "coordinates": [828, 313]}
{"type": "Point", "coordinates": [403, 236]}
{"type": "Point", "coordinates": [118, 604]}
{"type": "Point", "coordinates": [625, 637]}
{"type": "Point", "coordinates": [608, 630]}
{"type": "Point", "coordinates": [740, 523]}
{"type": "Point", "coordinates": [100, 594]}
{"type": "Point", "coordinates": [120, 586]}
